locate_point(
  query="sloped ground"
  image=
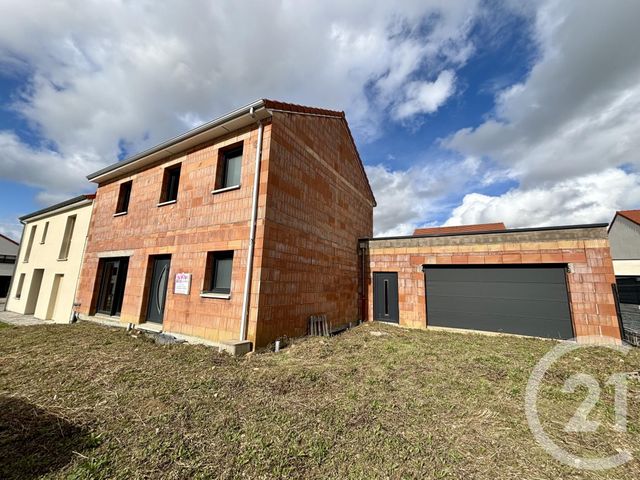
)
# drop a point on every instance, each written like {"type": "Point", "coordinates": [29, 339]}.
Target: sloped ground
{"type": "Point", "coordinates": [86, 401]}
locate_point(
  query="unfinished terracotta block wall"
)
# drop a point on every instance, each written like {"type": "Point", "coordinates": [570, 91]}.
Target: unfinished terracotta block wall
{"type": "Point", "coordinates": [197, 223]}
{"type": "Point", "coordinates": [319, 204]}
{"type": "Point", "coordinates": [586, 250]}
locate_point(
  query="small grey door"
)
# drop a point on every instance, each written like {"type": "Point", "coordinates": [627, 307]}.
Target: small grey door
{"type": "Point", "coordinates": [525, 300]}
{"type": "Point", "coordinates": [158, 288]}
{"type": "Point", "coordinates": [385, 297]}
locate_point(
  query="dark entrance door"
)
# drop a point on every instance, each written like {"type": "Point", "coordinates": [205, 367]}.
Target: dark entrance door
{"type": "Point", "coordinates": [4, 286]}
{"type": "Point", "coordinates": [385, 297]}
{"type": "Point", "coordinates": [112, 281]}
{"type": "Point", "coordinates": [158, 288]}
{"type": "Point", "coordinates": [525, 300]}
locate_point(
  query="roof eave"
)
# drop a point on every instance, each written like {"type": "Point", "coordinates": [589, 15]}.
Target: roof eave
{"type": "Point", "coordinates": [223, 125]}
{"type": "Point", "coordinates": [72, 203]}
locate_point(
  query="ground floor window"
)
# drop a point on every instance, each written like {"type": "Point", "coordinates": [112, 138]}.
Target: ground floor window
{"type": "Point", "coordinates": [112, 277]}
{"type": "Point", "coordinates": [218, 275]}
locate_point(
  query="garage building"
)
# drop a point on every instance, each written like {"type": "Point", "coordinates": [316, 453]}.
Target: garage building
{"type": "Point", "coordinates": [553, 282]}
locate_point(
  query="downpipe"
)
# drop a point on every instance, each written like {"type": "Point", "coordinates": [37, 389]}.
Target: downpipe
{"type": "Point", "coordinates": [252, 237]}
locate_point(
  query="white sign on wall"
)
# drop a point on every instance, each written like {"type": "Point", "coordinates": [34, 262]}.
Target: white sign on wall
{"type": "Point", "coordinates": [182, 284]}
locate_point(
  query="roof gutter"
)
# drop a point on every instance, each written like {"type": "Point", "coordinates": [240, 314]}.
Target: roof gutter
{"type": "Point", "coordinates": [70, 204]}
{"type": "Point", "coordinates": [173, 145]}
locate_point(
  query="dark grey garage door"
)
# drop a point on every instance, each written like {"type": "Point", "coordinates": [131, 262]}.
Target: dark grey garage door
{"type": "Point", "coordinates": [523, 300]}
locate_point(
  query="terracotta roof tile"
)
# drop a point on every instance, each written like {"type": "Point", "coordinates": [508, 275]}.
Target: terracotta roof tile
{"type": "Point", "coordinates": [480, 227]}
{"type": "Point", "coordinates": [633, 215]}
{"type": "Point", "coordinates": [292, 107]}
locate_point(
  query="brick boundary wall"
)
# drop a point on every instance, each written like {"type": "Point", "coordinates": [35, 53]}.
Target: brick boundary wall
{"type": "Point", "coordinates": [585, 249]}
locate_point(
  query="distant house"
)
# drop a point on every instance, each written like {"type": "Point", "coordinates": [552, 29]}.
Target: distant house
{"type": "Point", "coordinates": [8, 253]}
{"type": "Point", "coordinates": [50, 258]}
{"type": "Point", "coordinates": [624, 238]}
{"type": "Point", "coordinates": [477, 227]}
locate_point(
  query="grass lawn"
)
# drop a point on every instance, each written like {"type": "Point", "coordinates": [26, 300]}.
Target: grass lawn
{"type": "Point", "coordinates": [86, 401]}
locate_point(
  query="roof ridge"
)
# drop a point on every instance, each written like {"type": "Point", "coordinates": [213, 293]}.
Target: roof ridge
{"type": "Point", "coordinates": [298, 108]}
{"type": "Point", "coordinates": [9, 239]}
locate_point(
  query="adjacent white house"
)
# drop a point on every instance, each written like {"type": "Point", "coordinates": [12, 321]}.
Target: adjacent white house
{"type": "Point", "coordinates": [624, 238]}
{"type": "Point", "coordinates": [48, 265]}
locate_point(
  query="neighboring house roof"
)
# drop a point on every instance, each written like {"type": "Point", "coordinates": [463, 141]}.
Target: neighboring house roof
{"type": "Point", "coordinates": [58, 206]}
{"type": "Point", "coordinates": [633, 215]}
{"type": "Point", "coordinates": [9, 239]}
{"type": "Point", "coordinates": [240, 118]}
{"type": "Point", "coordinates": [480, 227]}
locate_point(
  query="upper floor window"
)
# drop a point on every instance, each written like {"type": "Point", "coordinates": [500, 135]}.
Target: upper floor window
{"type": "Point", "coordinates": [229, 168]}
{"type": "Point", "coordinates": [44, 233]}
{"type": "Point", "coordinates": [66, 240]}
{"type": "Point", "coordinates": [124, 196]}
{"type": "Point", "coordinates": [32, 236]}
{"type": "Point", "coordinates": [170, 183]}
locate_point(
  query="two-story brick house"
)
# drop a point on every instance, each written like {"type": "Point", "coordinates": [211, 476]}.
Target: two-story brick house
{"type": "Point", "coordinates": [237, 230]}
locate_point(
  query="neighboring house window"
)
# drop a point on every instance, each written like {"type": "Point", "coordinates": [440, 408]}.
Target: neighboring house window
{"type": "Point", "coordinates": [123, 197]}
{"type": "Point", "coordinates": [10, 259]}
{"type": "Point", "coordinates": [44, 233]}
{"type": "Point", "coordinates": [66, 240]}
{"type": "Point", "coordinates": [218, 278]}
{"type": "Point", "coordinates": [20, 284]}
{"type": "Point", "coordinates": [170, 183]}
{"type": "Point", "coordinates": [229, 168]}
{"type": "Point", "coordinates": [32, 235]}
{"type": "Point", "coordinates": [112, 276]}
{"type": "Point", "coordinates": [628, 290]}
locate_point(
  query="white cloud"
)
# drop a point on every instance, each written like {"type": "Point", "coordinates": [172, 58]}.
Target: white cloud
{"type": "Point", "coordinates": [587, 199]}
{"type": "Point", "coordinates": [107, 75]}
{"type": "Point", "coordinates": [425, 97]}
{"type": "Point", "coordinates": [40, 167]}
{"type": "Point", "coordinates": [574, 120]}
{"type": "Point", "coordinates": [406, 197]}
{"type": "Point", "coordinates": [10, 228]}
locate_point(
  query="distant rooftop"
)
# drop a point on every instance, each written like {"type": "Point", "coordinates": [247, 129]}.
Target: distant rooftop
{"type": "Point", "coordinates": [479, 227]}
{"type": "Point", "coordinates": [633, 215]}
{"type": "Point", "coordinates": [57, 206]}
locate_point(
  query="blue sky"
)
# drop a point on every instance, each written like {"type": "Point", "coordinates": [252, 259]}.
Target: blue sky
{"type": "Point", "coordinates": [463, 112]}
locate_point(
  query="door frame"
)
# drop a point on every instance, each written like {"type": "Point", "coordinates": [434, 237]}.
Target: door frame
{"type": "Point", "coordinates": [397, 304]}
{"type": "Point", "coordinates": [147, 297]}
{"type": "Point", "coordinates": [121, 280]}
{"type": "Point", "coordinates": [54, 297]}
{"type": "Point", "coordinates": [34, 291]}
